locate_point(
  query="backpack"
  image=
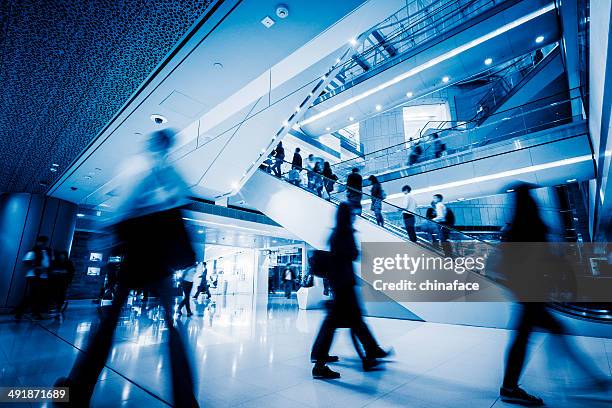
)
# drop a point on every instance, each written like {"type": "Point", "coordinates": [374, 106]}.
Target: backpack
{"type": "Point", "coordinates": [450, 217]}
{"type": "Point", "coordinates": [320, 263]}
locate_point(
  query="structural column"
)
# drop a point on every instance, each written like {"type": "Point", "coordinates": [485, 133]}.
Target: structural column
{"type": "Point", "coordinates": [23, 217]}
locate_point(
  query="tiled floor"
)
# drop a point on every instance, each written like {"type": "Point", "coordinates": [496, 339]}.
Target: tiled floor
{"type": "Point", "coordinates": [251, 352]}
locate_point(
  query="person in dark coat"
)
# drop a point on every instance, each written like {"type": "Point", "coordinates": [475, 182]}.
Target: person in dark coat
{"type": "Point", "coordinates": [527, 279]}
{"type": "Point", "coordinates": [296, 162]}
{"type": "Point", "coordinates": [354, 190]}
{"type": "Point", "coordinates": [345, 309]}
{"type": "Point", "coordinates": [378, 195]}
{"type": "Point", "coordinates": [279, 158]}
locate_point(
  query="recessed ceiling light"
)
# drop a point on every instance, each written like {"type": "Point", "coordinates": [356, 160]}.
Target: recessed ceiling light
{"type": "Point", "coordinates": [378, 107]}
{"type": "Point", "coordinates": [353, 41]}
{"type": "Point", "coordinates": [158, 119]}
{"type": "Point", "coordinates": [267, 21]}
{"type": "Point", "coordinates": [234, 185]}
{"type": "Point", "coordinates": [200, 231]}
{"type": "Point", "coordinates": [445, 79]}
{"type": "Point", "coordinates": [488, 61]}
{"type": "Point", "coordinates": [409, 94]}
{"type": "Point", "coordinates": [285, 123]}
{"type": "Point", "coordinates": [328, 128]}
{"type": "Point", "coordinates": [53, 169]}
{"type": "Point", "coordinates": [351, 118]}
{"type": "Point", "coordinates": [80, 215]}
{"type": "Point", "coordinates": [55, 165]}
{"type": "Point", "coordinates": [510, 190]}
{"type": "Point", "coordinates": [571, 180]}
{"type": "Point", "coordinates": [539, 39]}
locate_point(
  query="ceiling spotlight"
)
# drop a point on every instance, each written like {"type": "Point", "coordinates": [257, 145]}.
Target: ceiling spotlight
{"type": "Point", "coordinates": [55, 165]}
{"type": "Point", "coordinates": [200, 231]}
{"type": "Point", "coordinates": [378, 107]}
{"type": "Point", "coordinates": [158, 119]}
{"type": "Point", "coordinates": [510, 190]}
{"type": "Point", "coordinates": [234, 185]}
{"type": "Point", "coordinates": [53, 169]}
{"type": "Point", "coordinates": [285, 123]}
{"type": "Point", "coordinates": [445, 79]}
{"type": "Point", "coordinates": [488, 61]}
{"type": "Point", "coordinates": [351, 118]}
{"type": "Point", "coordinates": [409, 94]}
{"type": "Point", "coordinates": [571, 181]}
{"type": "Point", "coordinates": [328, 128]}
{"type": "Point", "coordinates": [80, 215]}
{"type": "Point", "coordinates": [353, 41]}
{"type": "Point", "coordinates": [539, 39]}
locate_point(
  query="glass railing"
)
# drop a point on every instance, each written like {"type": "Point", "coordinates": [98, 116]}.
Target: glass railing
{"type": "Point", "coordinates": [442, 147]}
{"type": "Point", "coordinates": [403, 31]}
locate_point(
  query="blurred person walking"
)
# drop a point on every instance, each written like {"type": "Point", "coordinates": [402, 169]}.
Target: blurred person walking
{"type": "Point", "coordinates": [378, 195]}
{"type": "Point", "coordinates": [354, 190]}
{"type": "Point", "coordinates": [408, 213]}
{"type": "Point", "coordinates": [288, 278]}
{"type": "Point", "coordinates": [441, 217]}
{"type": "Point", "coordinates": [345, 308]}
{"type": "Point", "coordinates": [154, 242]}
{"type": "Point", "coordinates": [318, 179]}
{"type": "Point", "coordinates": [186, 287]}
{"type": "Point", "coordinates": [531, 280]}
{"type": "Point", "coordinates": [36, 293]}
{"type": "Point", "coordinates": [203, 286]}
{"type": "Point", "coordinates": [60, 278]}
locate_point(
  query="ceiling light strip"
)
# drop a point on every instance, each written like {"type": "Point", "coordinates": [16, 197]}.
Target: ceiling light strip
{"type": "Point", "coordinates": [448, 55]}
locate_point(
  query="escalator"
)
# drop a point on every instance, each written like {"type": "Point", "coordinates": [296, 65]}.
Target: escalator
{"type": "Point", "coordinates": [301, 211]}
{"type": "Point", "coordinates": [528, 143]}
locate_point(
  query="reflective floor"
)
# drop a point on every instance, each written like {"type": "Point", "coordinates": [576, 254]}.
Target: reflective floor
{"type": "Point", "coordinates": [254, 352]}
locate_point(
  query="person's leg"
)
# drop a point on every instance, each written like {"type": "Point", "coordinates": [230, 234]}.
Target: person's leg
{"type": "Point", "coordinates": [187, 296]}
{"type": "Point", "coordinates": [184, 300]}
{"type": "Point", "coordinates": [182, 377]}
{"type": "Point", "coordinates": [379, 218]}
{"type": "Point", "coordinates": [515, 359]}
{"type": "Point", "coordinates": [198, 291]}
{"type": "Point", "coordinates": [26, 299]}
{"type": "Point", "coordinates": [323, 341]}
{"type": "Point", "coordinates": [287, 289]}
{"type": "Point", "coordinates": [207, 291]}
{"type": "Point", "coordinates": [409, 221]}
{"type": "Point", "coordinates": [89, 364]}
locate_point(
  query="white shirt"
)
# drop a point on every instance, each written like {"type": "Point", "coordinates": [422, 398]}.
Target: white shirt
{"type": "Point", "coordinates": [287, 274]}
{"type": "Point", "coordinates": [410, 203]}
{"type": "Point", "coordinates": [188, 274]}
{"type": "Point", "coordinates": [440, 212]}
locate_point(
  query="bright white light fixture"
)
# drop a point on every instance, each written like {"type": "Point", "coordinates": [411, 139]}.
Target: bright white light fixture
{"type": "Point", "coordinates": [510, 190]}
{"type": "Point", "coordinates": [200, 231]}
{"type": "Point", "coordinates": [353, 41]}
{"type": "Point", "coordinates": [378, 107]}
{"type": "Point", "coordinates": [488, 61]}
{"type": "Point", "coordinates": [571, 180]}
{"type": "Point", "coordinates": [351, 118]}
{"type": "Point", "coordinates": [328, 128]}
{"type": "Point", "coordinates": [80, 215]}
{"type": "Point", "coordinates": [539, 39]}
{"type": "Point", "coordinates": [234, 185]}
{"type": "Point", "coordinates": [445, 79]}
{"type": "Point", "coordinates": [433, 62]}
{"type": "Point", "coordinates": [409, 94]}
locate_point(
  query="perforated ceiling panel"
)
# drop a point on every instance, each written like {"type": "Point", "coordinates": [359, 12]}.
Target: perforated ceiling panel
{"type": "Point", "coordinates": [66, 67]}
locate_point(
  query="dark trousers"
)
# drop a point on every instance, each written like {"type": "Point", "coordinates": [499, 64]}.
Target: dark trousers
{"type": "Point", "coordinates": [33, 297]}
{"type": "Point", "coordinates": [186, 287]}
{"type": "Point", "coordinates": [202, 288]}
{"type": "Point", "coordinates": [409, 223]}
{"type": "Point", "coordinates": [276, 168]}
{"type": "Point", "coordinates": [288, 286]}
{"type": "Point", "coordinates": [354, 200]}
{"type": "Point", "coordinates": [89, 364]}
{"type": "Point", "coordinates": [379, 218]}
{"type": "Point", "coordinates": [337, 317]}
{"type": "Point", "coordinates": [537, 315]}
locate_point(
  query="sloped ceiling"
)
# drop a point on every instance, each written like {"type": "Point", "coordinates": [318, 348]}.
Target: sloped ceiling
{"type": "Point", "coordinates": [66, 67]}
